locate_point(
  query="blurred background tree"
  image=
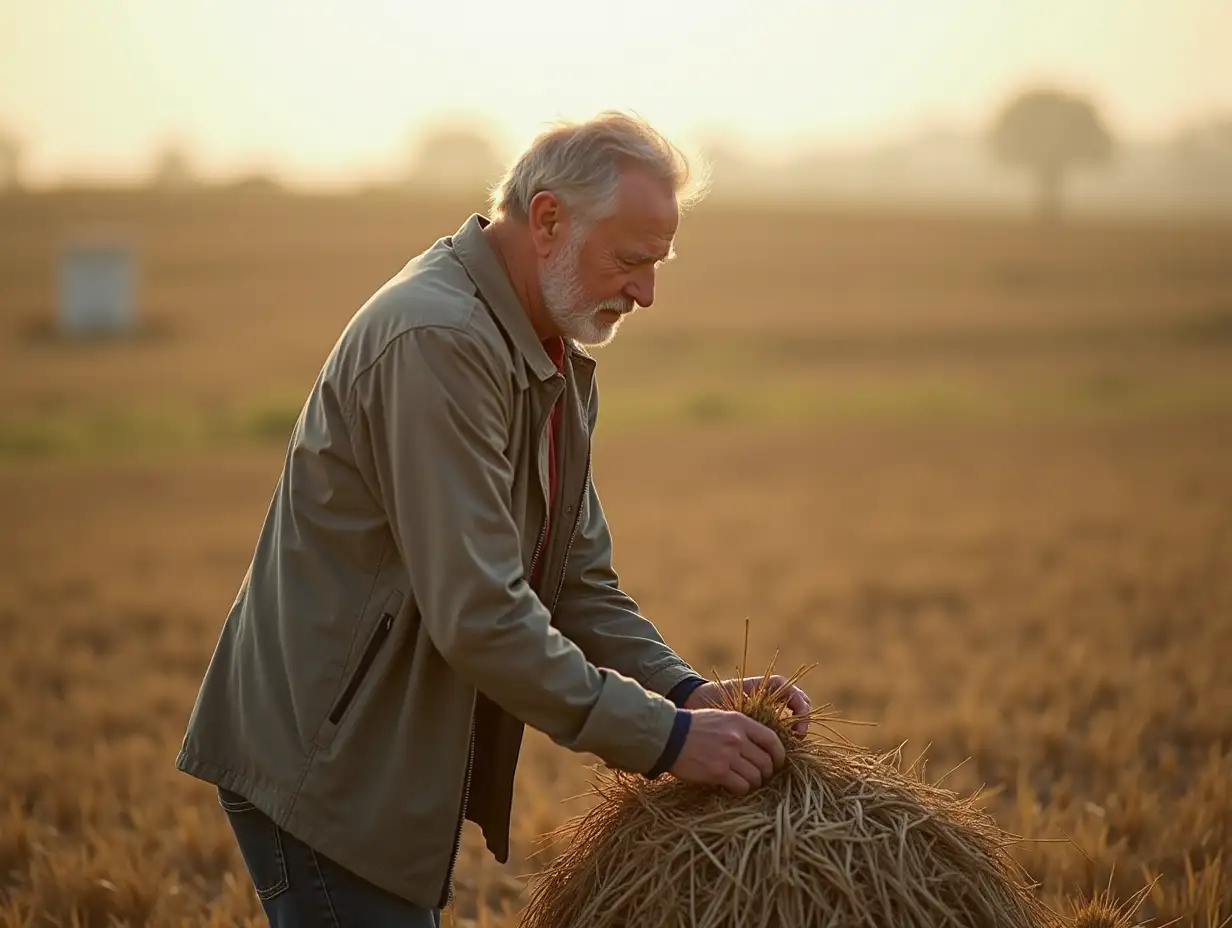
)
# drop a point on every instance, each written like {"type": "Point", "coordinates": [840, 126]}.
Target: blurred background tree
{"type": "Point", "coordinates": [10, 161]}
{"type": "Point", "coordinates": [454, 156]}
{"type": "Point", "coordinates": [1049, 132]}
{"type": "Point", "coordinates": [173, 168]}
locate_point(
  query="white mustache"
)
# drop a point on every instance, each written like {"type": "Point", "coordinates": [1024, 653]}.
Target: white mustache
{"type": "Point", "coordinates": [617, 304]}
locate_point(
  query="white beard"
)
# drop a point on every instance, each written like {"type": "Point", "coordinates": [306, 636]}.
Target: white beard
{"type": "Point", "coordinates": [566, 302]}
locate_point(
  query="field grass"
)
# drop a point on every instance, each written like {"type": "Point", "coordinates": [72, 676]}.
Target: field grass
{"type": "Point", "coordinates": [978, 471]}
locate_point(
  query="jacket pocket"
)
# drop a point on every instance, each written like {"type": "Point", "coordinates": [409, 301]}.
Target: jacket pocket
{"type": "Point", "coordinates": [384, 627]}
{"type": "Point", "coordinates": [379, 636]}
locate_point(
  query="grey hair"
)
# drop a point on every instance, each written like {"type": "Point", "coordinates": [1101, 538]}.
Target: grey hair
{"type": "Point", "coordinates": [581, 163]}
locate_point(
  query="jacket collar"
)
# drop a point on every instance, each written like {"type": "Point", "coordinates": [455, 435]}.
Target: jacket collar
{"type": "Point", "coordinates": [485, 268]}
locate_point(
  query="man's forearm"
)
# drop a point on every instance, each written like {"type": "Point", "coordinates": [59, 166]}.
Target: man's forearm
{"type": "Point", "coordinates": [606, 624]}
{"type": "Point", "coordinates": [611, 631]}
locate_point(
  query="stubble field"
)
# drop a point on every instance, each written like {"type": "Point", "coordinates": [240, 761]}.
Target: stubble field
{"type": "Point", "coordinates": [981, 473]}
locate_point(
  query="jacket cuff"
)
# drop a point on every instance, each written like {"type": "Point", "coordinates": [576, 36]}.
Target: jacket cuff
{"type": "Point", "coordinates": [666, 674]}
{"type": "Point", "coordinates": [675, 741]}
{"type": "Point", "coordinates": [680, 692]}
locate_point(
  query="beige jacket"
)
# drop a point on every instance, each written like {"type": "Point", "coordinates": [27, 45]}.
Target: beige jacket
{"type": "Point", "coordinates": [373, 677]}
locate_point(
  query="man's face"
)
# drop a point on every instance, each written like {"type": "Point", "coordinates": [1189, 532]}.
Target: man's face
{"type": "Point", "coordinates": [598, 275]}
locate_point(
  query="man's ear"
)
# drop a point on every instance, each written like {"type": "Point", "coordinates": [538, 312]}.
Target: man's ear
{"type": "Point", "coordinates": [547, 219]}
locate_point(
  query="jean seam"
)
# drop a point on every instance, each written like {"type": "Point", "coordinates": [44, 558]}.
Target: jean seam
{"type": "Point", "coordinates": [284, 883]}
{"type": "Point", "coordinates": [316, 865]}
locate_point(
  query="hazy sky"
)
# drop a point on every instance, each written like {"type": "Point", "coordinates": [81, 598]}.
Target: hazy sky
{"type": "Point", "coordinates": [326, 89]}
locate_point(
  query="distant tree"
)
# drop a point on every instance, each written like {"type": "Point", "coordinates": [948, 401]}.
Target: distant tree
{"type": "Point", "coordinates": [10, 161]}
{"type": "Point", "coordinates": [173, 168]}
{"type": "Point", "coordinates": [256, 182]}
{"type": "Point", "coordinates": [1049, 132]}
{"type": "Point", "coordinates": [458, 156]}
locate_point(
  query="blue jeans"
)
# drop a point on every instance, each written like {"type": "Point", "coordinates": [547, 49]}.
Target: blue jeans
{"type": "Point", "coordinates": [300, 888]}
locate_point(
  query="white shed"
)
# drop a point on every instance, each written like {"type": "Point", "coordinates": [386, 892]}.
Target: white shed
{"type": "Point", "coordinates": [97, 288]}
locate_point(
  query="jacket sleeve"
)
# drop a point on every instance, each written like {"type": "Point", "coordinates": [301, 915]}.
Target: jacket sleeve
{"type": "Point", "coordinates": [435, 412]}
{"type": "Point", "coordinates": [604, 620]}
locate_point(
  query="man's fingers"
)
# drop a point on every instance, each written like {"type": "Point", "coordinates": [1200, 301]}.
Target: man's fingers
{"type": "Point", "coordinates": [797, 700]}
{"type": "Point", "coordinates": [736, 783]}
{"type": "Point", "coordinates": [754, 754]}
{"type": "Point", "coordinates": [768, 740]}
{"type": "Point", "coordinates": [748, 771]}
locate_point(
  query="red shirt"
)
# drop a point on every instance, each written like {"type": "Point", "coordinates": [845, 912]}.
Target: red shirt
{"type": "Point", "coordinates": [555, 348]}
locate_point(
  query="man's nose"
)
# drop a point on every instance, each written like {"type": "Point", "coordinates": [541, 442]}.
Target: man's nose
{"type": "Point", "coordinates": [641, 287]}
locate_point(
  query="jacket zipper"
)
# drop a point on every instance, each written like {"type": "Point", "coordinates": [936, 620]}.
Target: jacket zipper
{"type": "Point", "coordinates": [534, 561]}
{"type": "Point", "coordinates": [543, 531]}
{"type": "Point", "coordinates": [577, 518]}
{"type": "Point", "coordinates": [447, 890]}
{"type": "Point", "coordinates": [365, 664]}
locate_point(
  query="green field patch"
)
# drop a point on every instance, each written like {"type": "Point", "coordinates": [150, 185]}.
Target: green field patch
{"type": "Point", "coordinates": [269, 421]}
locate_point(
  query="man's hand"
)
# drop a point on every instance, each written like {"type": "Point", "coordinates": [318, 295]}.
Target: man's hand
{"type": "Point", "coordinates": [709, 694]}
{"type": "Point", "coordinates": [728, 749]}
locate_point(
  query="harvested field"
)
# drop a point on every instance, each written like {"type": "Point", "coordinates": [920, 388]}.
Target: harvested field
{"type": "Point", "coordinates": [979, 472]}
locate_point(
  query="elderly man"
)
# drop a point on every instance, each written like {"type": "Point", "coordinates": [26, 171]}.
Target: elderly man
{"type": "Point", "coordinates": [434, 571]}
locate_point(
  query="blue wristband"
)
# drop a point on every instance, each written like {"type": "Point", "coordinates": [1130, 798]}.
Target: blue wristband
{"type": "Point", "coordinates": [675, 741]}
{"type": "Point", "coordinates": [680, 692]}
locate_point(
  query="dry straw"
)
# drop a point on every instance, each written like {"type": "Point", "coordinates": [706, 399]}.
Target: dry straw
{"type": "Point", "coordinates": [840, 836]}
{"type": "Point", "coordinates": [1102, 911]}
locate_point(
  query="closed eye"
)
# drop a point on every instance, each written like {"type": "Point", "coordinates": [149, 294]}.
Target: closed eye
{"type": "Point", "coordinates": [641, 260]}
